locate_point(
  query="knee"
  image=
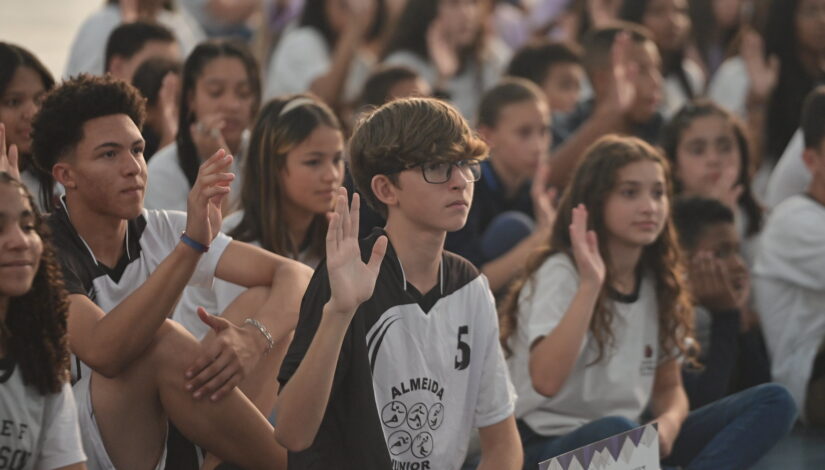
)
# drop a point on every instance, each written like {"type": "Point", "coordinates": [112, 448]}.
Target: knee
{"type": "Point", "coordinates": [778, 401]}
{"type": "Point", "coordinates": [611, 425]}
{"type": "Point", "coordinates": [504, 232]}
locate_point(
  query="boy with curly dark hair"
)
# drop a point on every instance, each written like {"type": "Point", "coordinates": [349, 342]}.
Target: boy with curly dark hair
{"type": "Point", "coordinates": [125, 267]}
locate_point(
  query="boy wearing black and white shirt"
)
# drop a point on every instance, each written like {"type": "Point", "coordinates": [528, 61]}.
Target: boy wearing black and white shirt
{"type": "Point", "coordinates": [396, 357]}
{"type": "Point", "coordinates": [125, 269]}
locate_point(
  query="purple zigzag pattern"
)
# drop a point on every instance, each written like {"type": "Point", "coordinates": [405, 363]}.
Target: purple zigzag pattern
{"type": "Point", "coordinates": [613, 444]}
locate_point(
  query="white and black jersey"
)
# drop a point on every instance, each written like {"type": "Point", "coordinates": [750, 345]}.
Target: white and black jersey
{"type": "Point", "coordinates": [150, 238]}
{"type": "Point", "coordinates": [416, 373]}
{"type": "Point", "coordinates": [36, 431]}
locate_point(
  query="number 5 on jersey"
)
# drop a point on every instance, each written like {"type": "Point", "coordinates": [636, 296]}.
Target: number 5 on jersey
{"type": "Point", "coordinates": [462, 358]}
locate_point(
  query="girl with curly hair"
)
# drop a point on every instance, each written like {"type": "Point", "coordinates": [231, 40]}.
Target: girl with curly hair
{"type": "Point", "coordinates": [598, 327]}
{"type": "Point", "coordinates": [37, 406]}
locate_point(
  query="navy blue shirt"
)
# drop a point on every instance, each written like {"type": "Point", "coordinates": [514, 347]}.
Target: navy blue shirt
{"type": "Point", "coordinates": [489, 200]}
{"type": "Point", "coordinates": [565, 125]}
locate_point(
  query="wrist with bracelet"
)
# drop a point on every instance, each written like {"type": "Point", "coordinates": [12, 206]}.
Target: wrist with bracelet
{"type": "Point", "coordinates": [194, 244]}
{"type": "Point", "coordinates": [270, 343]}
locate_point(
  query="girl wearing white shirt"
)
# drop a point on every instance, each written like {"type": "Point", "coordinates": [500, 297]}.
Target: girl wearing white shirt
{"type": "Point", "coordinates": [37, 407]}
{"type": "Point", "coordinates": [598, 327]}
{"type": "Point", "coordinates": [220, 94]}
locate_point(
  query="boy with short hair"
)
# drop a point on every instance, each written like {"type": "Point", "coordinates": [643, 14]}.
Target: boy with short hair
{"type": "Point", "coordinates": [125, 268]}
{"type": "Point", "coordinates": [624, 69]}
{"type": "Point", "coordinates": [555, 67]}
{"type": "Point", "coordinates": [720, 286]}
{"type": "Point", "coordinates": [789, 277]}
{"type": "Point", "coordinates": [130, 44]}
{"type": "Point", "coordinates": [395, 361]}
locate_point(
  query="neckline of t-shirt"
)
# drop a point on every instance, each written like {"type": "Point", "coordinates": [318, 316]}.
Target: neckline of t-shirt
{"type": "Point", "coordinates": [7, 364]}
{"type": "Point", "coordinates": [627, 298]}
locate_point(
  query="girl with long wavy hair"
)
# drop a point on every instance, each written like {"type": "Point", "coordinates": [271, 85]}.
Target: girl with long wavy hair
{"type": "Point", "coordinates": [36, 401]}
{"type": "Point", "coordinates": [599, 325]}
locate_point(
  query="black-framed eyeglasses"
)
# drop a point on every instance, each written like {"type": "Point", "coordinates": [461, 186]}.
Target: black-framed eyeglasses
{"type": "Point", "coordinates": [441, 172]}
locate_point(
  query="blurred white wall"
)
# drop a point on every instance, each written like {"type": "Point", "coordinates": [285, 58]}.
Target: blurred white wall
{"type": "Point", "coordinates": [45, 27]}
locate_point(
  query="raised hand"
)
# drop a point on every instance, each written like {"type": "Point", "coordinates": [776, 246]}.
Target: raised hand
{"type": "Point", "coordinates": [207, 134]}
{"type": "Point", "coordinates": [586, 248]}
{"type": "Point", "coordinates": [351, 281]}
{"type": "Point", "coordinates": [442, 52]}
{"type": "Point", "coordinates": [712, 285]}
{"type": "Point", "coordinates": [9, 160]}
{"type": "Point", "coordinates": [622, 92]}
{"type": "Point", "coordinates": [763, 73]}
{"type": "Point", "coordinates": [203, 206]}
{"type": "Point", "coordinates": [726, 190]}
{"type": "Point", "coordinates": [361, 14]}
{"type": "Point", "coordinates": [168, 104]}
{"type": "Point", "coordinates": [543, 200]}
{"type": "Point", "coordinates": [602, 12]}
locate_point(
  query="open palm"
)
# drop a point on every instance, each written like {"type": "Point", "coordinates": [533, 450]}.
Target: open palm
{"type": "Point", "coordinates": [586, 248]}
{"type": "Point", "coordinates": [351, 280]}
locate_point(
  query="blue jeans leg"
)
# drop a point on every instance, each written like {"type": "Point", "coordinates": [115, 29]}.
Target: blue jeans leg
{"type": "Point", "coordinates": [539, 448]}
{"type": "Point", "coordinates": [736, 431]}
{"type": "Point", "coordinates": [504, 232]}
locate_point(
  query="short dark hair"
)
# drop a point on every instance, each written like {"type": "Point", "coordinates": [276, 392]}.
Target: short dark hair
{"type": "Point", "coordinates": [813, 117]}
{"type": "Point", "coordinates": [58, 126]}
{"type": "Point", "coordinates": [508, 91]}
{"type": "Point", "coordinates": [129, 38]}
{"type": "Point", "coordinates": [598, 43]}
{"type": "Point", "coordinates": [377, 87]}
{"type": "Point", "coordinates": [149, 76]}
{"type": "Point", "coordinates": [405, 133]}
{"type": "Point", "coordinates": [534, 60]}
{"type": "Point", "coordinates": [692, 215]}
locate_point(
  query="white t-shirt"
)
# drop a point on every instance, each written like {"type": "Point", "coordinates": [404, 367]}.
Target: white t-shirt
{"type": "Point", "coordinates": [467, 88]}
{"type": "Point", "coordinates": [789, 287]}
{"type": "Point", "coordinates": [674, 93]}
{"type": "Point", "coordinates": [790, 175]}
{"type": "Point", "coordinates": [618, 385]}
{"type": "Point", "coordinates": [88, 51]}
{"type": "Point", "coordinates": [222, 293]}
{"type": "Point", "coordinates": [36, 431]}
{"type": "Point", "coordinates": [302, 56]}
{"type": "Point", "coordinates": [167, 186]}
{"type": "Point", "coordinates": [729, 85]}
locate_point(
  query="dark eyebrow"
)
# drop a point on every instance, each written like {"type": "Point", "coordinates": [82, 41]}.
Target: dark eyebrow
{"type": "Point", "coordinates": [117, 145]}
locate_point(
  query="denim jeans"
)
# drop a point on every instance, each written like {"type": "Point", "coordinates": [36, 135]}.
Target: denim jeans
{"type": "Point", "coordinates": [731, 433]}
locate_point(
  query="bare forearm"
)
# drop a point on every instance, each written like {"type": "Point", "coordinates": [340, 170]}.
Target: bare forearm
{"type": "Point", "coordinates": [567, 156]}
{"type": "Point", "coordinates": [301, 405]}
{"type": "Point", "coordinates": [554, 356]}
{"type": "Point", "coordinates": [125, 332]}
{"type": "Point", "coordinates": [671, 403]}
{"type": "Point", "coordinates": [233, 11]}
{"type": "Point", "coordinates": [330, 85]}
{"type": "Point", "coordinates": [288, 286]}
{"type": "Point", "coordinates": [501, 446]}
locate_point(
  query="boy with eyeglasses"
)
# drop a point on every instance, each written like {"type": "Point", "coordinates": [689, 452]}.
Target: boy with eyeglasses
{"type": "Point", "coordinates": [396, 356]}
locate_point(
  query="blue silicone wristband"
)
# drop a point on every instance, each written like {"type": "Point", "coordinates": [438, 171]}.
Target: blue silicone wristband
{"type": "Point", "coordinates": [195, 245]}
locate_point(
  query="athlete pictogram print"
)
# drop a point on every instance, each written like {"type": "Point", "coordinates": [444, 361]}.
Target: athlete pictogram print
{"type": "Point", "coordinates": [394, 414]}
{"type": "Point", "coordinates": [417, 416]}
{"type": "Point", "coordinates": [399, 442]}
{"type": "Point", "coordinates": [435, 416]}
{"type": "Point", "coordinates": [422, 445]}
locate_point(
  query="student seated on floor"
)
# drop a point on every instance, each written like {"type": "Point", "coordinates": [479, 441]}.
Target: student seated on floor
{"type": "Point", "coordinates": [789, 277]}
{"type": "Point", "coordinates": [597, 328]}
{"type": "Point", "coordinates": [395, 359]}
{"type": "Point", "coordinates": [125, 268]}
{"type": "Point", "coordinates": [512, 211]}
{"type": "Point", "coordinates": [720, 286]}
